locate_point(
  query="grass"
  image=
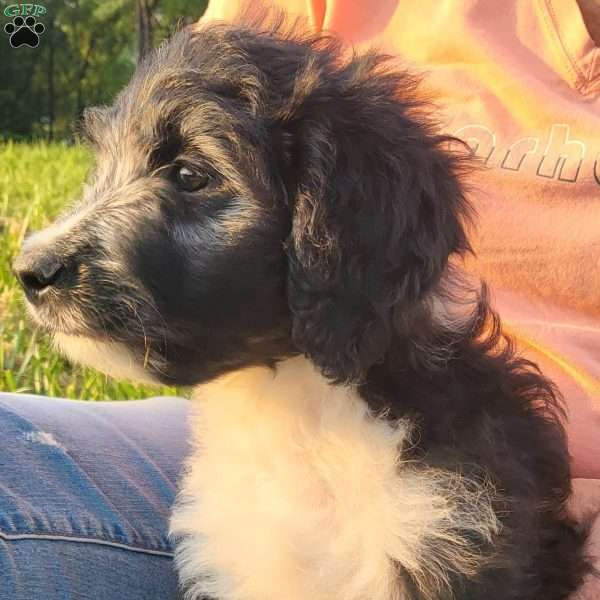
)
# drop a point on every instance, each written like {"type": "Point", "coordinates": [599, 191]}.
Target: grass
{"type": "Point", "coordinates": [36, 182]}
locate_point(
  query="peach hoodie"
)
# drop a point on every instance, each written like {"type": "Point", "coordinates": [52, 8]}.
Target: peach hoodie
{"type": "Point", "coordinates": [519, 81]}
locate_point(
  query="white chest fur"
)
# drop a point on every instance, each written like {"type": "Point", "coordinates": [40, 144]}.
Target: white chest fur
{"type": "Point", "coordinates": [296, 492]}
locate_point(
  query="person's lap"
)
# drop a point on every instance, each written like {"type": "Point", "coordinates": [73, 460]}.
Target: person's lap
{"type": "Point", "coordinates": [85, 494]}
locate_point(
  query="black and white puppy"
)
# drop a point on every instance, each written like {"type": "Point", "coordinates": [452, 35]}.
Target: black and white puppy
{"type": "Point", "coordinates": [272, 221]}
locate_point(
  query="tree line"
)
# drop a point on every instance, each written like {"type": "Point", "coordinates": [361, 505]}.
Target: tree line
{"type": "Point", "coordinates": [87, 52]}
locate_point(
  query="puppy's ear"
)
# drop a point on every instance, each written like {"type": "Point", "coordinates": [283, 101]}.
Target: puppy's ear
{"type": "Point", "coordinates": [378, 210]}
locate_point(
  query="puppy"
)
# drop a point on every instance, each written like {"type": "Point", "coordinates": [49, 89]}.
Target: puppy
{"type": "Point", "coordinates": [272, 221]}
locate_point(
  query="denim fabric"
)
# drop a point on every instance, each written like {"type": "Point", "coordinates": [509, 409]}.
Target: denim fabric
{"type": "Point", "coordinates": [85, 493]}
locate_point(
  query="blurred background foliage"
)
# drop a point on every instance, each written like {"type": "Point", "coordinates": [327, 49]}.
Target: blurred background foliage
{"type": "Point", "coordinates": [86, 54]}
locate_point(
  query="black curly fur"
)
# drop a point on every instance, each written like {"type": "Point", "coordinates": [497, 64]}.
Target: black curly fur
{"type": "Point", "coordinates": [489, 407]}
{"type": "Point", "coordinates": [352, 208]}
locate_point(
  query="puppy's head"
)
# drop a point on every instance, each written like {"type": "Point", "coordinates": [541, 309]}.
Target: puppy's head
{"type": "Point", "coordinates": [256, 194]}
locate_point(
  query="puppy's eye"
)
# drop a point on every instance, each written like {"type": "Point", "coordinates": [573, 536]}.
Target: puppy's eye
{"type": "Point", "coordinates": [189, 179]}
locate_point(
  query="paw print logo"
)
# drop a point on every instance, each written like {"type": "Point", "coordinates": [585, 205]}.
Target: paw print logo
{"type": "Point", "coordinates": [24, 32]}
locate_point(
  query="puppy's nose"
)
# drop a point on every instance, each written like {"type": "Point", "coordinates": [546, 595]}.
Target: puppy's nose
{"type": "Point", "coordinates": [37, 272]}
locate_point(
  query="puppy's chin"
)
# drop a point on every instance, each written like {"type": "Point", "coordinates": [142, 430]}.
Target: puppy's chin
{"type": "Point", "coordinates": [111, 358]}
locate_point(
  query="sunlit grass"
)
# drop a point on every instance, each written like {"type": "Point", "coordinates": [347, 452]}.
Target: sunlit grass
{"type": "Point", "coordinates": [36, 182]}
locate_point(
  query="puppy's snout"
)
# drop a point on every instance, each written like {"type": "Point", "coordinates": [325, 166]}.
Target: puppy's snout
{"type": "Point", "coordinates": [39, 270]}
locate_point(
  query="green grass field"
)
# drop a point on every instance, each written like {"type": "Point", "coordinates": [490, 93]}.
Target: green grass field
{"type": "Point", "coordinates": [36, 182]}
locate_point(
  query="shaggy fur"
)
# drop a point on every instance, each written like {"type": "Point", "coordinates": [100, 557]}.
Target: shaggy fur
{"type": "Point", "coordinates": [364, 431]}
{"type": "Point", "coordinates": [336, 500]}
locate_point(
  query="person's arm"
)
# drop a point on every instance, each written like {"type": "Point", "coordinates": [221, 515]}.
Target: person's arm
{"type": "Point", "coordinates": [590, 10]}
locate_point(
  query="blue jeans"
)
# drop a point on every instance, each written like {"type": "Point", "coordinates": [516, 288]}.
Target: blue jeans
{"type": "Point", "coordinates": [85, 494]}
